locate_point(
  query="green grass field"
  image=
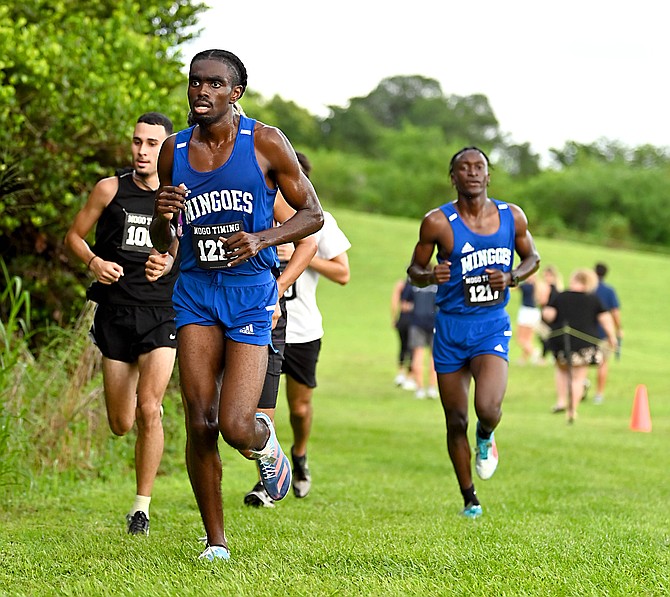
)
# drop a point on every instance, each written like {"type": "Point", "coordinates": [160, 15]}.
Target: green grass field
{"type": "Point", "coordinates": [572, 510]}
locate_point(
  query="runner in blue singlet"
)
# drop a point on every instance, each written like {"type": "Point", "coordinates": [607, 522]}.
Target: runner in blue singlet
{"type": "Point", "coordinates": [476, 238]}
{"type": "Point", "coordinates": [218, 180]}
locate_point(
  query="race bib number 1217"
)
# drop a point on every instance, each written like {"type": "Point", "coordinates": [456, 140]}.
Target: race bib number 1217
{"type": "Point", "coordinates": [478, 291]}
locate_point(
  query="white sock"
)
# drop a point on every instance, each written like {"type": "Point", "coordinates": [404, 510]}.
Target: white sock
{"type": "Point", "coordinates": [141, 503]}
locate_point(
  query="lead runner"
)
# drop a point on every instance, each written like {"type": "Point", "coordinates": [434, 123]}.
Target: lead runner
{"type": "Point", "coordinates": [476, 238]}
{"type": "Point", "coordinates": [227, 169]}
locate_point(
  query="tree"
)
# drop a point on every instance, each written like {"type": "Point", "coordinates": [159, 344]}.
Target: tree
{"type": "Point", "coordinates": [352, 130]}
{"type": "Point", "coordinates": [417, 101]}
{"type": "Point", "coordinates": [301, 127]}
{"type": "Point", "coordinates": [518, 160]}
{"type": "Point", "coordinates": [74, 77]}
{"type": "Point", "coordinates": [392, 100]}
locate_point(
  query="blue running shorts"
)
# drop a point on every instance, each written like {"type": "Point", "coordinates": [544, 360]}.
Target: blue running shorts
{"type": "Point", "coordinates": [241, 305]}
{"type": "Point", "coordinates": [459, 338]}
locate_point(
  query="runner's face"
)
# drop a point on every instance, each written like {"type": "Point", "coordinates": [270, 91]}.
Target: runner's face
{"type": "Point", "coordinates": [471, 173]}
{"type": "Point", "coordinates": [211, 92]}
{"type": "Point", "coordinates": [147, 141]}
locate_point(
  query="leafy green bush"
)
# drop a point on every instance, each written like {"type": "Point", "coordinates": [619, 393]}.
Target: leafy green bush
{"type": "Point", "coordinates": [74, 77]}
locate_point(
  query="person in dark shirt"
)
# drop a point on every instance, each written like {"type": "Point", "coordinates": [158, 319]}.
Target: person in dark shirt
{"type": "Point", "coordinates": [421, 331]}
{"type": "Point", "coordinates": [575, 315]}
{"type": "Point", "coordinates": [610, 300]}
{"type": "Point", "coordinates": [401, 315]}
{"type": "Point", "coordinates": [134, 325]}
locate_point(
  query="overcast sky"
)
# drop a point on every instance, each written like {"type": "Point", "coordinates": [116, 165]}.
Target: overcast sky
{"type": "Point", "coordinates": [552, 71]}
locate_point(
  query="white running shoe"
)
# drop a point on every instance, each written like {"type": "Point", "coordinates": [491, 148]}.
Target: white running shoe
{"type": "Point", "coordinates": [409, 385]}
{"type": "Point", "coordinates": [302, 480]}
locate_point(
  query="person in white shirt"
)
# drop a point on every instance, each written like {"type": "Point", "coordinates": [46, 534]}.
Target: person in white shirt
{"type": "Point", "coordinates": [304, 330]}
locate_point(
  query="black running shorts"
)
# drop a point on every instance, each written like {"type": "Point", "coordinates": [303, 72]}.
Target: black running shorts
{"type": "Point", "coordinates": [123, 333]}
{"type": "Point", "coordinates": [300, 361]}
{"type": "Point", "coordinates": [275, 358]}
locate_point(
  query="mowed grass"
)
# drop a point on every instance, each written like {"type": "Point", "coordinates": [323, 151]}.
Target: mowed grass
{"type": "Point", "coordinates": [572, 510]}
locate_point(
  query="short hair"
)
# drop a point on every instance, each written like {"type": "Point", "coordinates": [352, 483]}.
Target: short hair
{"type": "Point", "coordinates": [586, 277]}
{"type": "Point", "coordinates": [601, 270]}
{"type": "Point", "coordinates": [304, 163]}
{"type": "Point", "coordinates": [158, 119]}
{"type": "Point", "coordinates": [228, 58]}
{"type": "Point", "coordinates": [459, 153]}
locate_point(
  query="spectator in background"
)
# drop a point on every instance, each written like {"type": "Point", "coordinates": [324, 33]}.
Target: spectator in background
{"type": "Point", "coordinates": [421, 330]}
{"type": "Point", "coordinates": [608, 297]}
{"type": "Point", "coordinates": [575, 315]}
{"type": "Point", "coordinates": [546, 288]}
{"type": "Point", "coordinates": [527, 321]}
{"type": "Point", "coordinates": [401, 315]}
{"type": "Point", "coordinates": [304, 330]}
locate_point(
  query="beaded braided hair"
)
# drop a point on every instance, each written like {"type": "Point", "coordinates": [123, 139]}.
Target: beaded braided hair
{"type": "Point", "coordinates": [228, 58]}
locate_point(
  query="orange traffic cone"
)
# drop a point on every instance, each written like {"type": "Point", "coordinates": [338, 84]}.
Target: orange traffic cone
{"type": "Point", "coordinates": [640, 419]}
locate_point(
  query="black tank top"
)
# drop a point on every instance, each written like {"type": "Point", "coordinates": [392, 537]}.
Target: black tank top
{"type": "Point", "coordinates": [122, 236]}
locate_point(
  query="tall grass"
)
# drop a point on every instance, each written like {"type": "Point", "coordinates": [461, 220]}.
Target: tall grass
{"type": "Point", "coordinates": [50, 409]}
{"type": "Point", "coordinates": [14, 359]}
{"type": "Point", "coordinates": [572, 510]}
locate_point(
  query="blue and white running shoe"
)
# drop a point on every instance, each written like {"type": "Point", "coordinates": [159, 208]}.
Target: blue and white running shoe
{"type": "Point", "coordinates": [472, 511]}
{"type": "Point", "coordinates": [215, 552]}
{"type": "Point", "coordinates": [486, 460]}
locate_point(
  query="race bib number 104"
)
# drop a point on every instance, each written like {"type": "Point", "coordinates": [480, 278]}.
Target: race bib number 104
{"type": "Point", "coordinates": [208, 248]}
{"type": "Point", "coordinates": [478, 292]}
{"type": "Point", "coordinates": [136, 233]}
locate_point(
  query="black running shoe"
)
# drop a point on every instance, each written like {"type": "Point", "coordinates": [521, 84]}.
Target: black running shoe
{"type": "Point", "coordinates": [138, 523]}
{"type": "Point", "coordinates": [259, 497]}
{"type": "Point", "coordinates": [302, 480]}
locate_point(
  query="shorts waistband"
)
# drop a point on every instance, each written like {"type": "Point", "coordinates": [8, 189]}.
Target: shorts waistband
{"type": "Point", "coordinates": [228, 278]}
{"type": "Point", "coordinates": [483, 315]}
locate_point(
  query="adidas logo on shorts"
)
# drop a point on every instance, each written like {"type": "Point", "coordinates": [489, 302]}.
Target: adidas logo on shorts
{"type": "Point", "coordinates": [247, 329]}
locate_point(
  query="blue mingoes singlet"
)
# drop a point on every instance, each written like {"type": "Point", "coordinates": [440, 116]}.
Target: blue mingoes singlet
{"type": "Point", "coordinates": [218, 203]}
{"type": "Point", "coordinates": [468, 291]}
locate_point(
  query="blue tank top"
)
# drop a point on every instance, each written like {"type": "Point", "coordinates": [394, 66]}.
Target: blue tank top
{"type": "Point", "coordinates": [468, 291]}
{"type": "Point", "coordinates": [221, 202]}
